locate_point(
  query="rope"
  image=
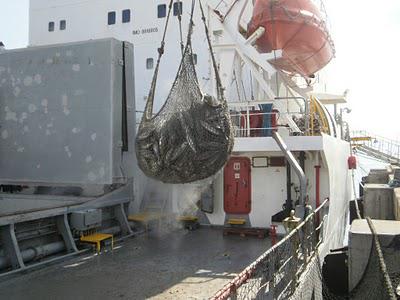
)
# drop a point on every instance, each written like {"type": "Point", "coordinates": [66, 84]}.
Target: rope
{"type": "Point", "coordinates": [382, 264]}
{"type": "Point", "coordinates": [271, 11]}
{"type": "Point", "coordinates": [149, 105]}
{"type": "Point", "coordinates": [237, 86]}
{"type": "Point", "coordinates": [220, 90]}
{"type": "Point", "coordinates": [180, 24]}
{"type": "Point", "coordinates": [355, 195]}
{"type": "Point", "coordinates": [148, 112]}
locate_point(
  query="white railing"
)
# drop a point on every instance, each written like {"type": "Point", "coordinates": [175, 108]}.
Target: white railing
{"type": "Point", "coordinates": [251, 120]}
{"type": "Point", "coordinates": [387, 147]}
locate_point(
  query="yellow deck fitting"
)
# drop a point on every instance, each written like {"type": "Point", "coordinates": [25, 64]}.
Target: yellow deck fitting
{"type": "Point", "coordinates": [361, 139]}
{"type": "Point", "coordinates": [188, 218]}
{"type": "Point", "coordinates": [145, 217]}
{"type": "Point", "coordinates": [97, 238]}
{"type": "Point", "coordinates": [236, 221]}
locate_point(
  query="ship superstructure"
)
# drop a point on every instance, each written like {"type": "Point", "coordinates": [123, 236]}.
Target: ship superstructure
{"type": "Point", "coordinates": [289, 151]}
{"type": "Point", "coordinates": [250, 81]}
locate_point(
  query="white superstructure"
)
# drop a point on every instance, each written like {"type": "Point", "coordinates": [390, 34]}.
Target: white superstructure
{"type": "Point", "coordinates": [250, 82]}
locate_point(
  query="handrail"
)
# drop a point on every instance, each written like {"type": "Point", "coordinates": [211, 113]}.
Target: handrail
{"type": "Point", "coordinates": [231, 288]}
{"type": "Point", "coordinates": [388, 148]}
{"type": "Point", "coordinates": [242, 114]}
{"type": "Point", "coordinates": [268, 101]}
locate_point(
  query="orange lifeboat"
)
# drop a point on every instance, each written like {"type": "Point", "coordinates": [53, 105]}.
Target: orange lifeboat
{"type": "Point", "coordinates": [298, 29]}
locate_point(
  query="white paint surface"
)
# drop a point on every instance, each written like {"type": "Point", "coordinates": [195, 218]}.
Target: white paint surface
{"type": "Point", "coordinates": [32, 108]}
{"type": "Point", "coordinates": [28, 81]}
{"type": "Point", "coordinates": [76, 67]}
{"type": "Point", "coordinates": [92, 176]}
{"type": "Point", "coordinates": [4, 134]}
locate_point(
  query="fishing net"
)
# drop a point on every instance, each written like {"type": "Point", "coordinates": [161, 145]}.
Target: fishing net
{"type": "Point", "coordinates": [292, 269]}
{"type": "Point", "coordinates": [190, 138]}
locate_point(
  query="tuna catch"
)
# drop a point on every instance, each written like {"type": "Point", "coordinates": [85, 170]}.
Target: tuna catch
{"type": "Point", "coordinates": [191, 137]}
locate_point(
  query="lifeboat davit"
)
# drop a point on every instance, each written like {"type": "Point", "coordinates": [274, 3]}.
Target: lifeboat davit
{"type": "Point", "coordinates": [298, 29]}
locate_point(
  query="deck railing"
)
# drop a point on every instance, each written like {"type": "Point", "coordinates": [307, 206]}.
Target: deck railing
{"type": "Point", "coordinates": [259, 118]}
{"type": "Point", "coordinates": [383, 148]}
{"type": "Point", "coordinates": [275, 274]}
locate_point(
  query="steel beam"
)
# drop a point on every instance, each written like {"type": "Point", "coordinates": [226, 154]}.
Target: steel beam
{"type": "Point", "coordinates": [11, 247]}
{"type": "Point", "coordinates": [120, 215]}
{"type": "Point", "coordinates": [65, 231]}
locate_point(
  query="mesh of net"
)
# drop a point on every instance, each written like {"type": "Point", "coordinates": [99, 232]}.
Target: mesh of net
{"type": "Point", "coordinates": [382, 273]}
{"type": "Point", "coordinates": [292, 270]}
{"type": "Point", "coordinates": [276, 274]}
{"type": "Point", "coordinates": [191, 137]}
{"type": "Point", "coordinates": [372, 285]}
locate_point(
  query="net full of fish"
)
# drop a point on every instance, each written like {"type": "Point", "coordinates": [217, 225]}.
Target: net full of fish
{"type": "Point", "coordinates": [191, 137]}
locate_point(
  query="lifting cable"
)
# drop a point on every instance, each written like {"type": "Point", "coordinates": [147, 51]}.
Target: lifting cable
{"type": "Point", "coordinates": [220, 90]}
{"type": "Point", "coordinates": [148, 112]}
{"type": "Point", "coordinates": [180, 5]}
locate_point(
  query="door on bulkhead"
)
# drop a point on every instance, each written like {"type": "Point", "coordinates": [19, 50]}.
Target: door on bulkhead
{"type": "Point", "coordinates": [237, 186]}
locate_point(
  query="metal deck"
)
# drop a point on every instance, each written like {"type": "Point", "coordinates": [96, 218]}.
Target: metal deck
{"type": "Point", "coordinates": [178, 264]}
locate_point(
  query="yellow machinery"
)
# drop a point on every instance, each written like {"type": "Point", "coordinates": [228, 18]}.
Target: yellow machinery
{"type": "Point", "coordinates": [317, 113]}
{"type": "Point", "coordinates": [96, 238]}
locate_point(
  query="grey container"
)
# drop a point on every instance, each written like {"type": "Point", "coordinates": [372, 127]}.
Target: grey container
{"type": "Point", "coordinates": [61, 114]}
{"type": "Point", "coordinates": [86, 219]}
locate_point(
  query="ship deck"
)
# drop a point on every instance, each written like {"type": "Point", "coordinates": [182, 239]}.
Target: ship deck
{"type": "Point", "coordinates": [178, 264]}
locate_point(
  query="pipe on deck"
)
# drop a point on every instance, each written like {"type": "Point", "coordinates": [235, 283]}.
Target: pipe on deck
{"type": "Point", "coordinates": [35, 252]}
{"type": "Point", "coordinates": [32, 253]}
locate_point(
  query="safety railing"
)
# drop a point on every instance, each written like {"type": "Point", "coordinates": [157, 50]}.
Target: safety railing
{"type": "Point", "coordinates": [276, 273]}
{"type": "Point", "coordinates": [254, 123]}
{"type": "Point", "coordinates": [260, 118]}
{"type": "Point", "coordinates": [388, 148]}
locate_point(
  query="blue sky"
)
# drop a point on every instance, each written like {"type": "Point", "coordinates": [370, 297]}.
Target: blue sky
{"type": "Point", "coordinates": [367, 39]}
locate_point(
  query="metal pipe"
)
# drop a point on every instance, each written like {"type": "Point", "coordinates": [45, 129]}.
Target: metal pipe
{"type": "Point", "coordinates": [302, 159]}
{"type": "Point", "coordinates": [295, 165]}
{"type": "Point", "coordinates": [306, 117]}
{"type": "Point", "coordinates": [317, 188]}
{"type": "Point", "coordinates": [32, 253]}
{"type": "Point", "coordinates": [255, 36]}
{"type": "Point", "coordinates": [34, 234]}
{"type": "Point", "coordinates": [35, 252]}
{"type": "Point", "coordinates": [289, 203]}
